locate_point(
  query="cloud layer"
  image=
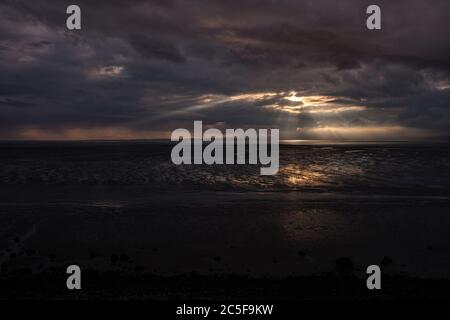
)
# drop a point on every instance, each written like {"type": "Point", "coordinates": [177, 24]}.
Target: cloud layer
{"type": "Point", "coordinates": [139, 69]}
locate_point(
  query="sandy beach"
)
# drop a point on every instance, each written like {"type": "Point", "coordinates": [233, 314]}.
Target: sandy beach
{"type": "Point", "coordinates": [136, 231]}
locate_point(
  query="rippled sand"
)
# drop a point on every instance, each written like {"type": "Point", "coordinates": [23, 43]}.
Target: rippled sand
{"type": "Point", "coordinates": [387, 169]}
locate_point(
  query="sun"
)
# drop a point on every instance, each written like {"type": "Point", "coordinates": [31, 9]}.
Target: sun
{"type": "Point", "coordinates": [293, 97]}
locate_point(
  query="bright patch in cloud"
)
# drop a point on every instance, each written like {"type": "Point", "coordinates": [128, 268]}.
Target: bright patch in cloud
{"type": "Point", "coordinates": [315, 104]}
{"type": "Point", "coordinates": [106, 72]}
{"type": "Point", "coordinates": [365, 133]}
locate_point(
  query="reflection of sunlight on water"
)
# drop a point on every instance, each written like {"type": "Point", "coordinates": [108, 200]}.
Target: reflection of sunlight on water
{"type": "Point", "coordinates": [317, 169]}
{"type": "Point", "coordinates": [318, 175]}
{"type": "Point", "coordinates": [307, 175]}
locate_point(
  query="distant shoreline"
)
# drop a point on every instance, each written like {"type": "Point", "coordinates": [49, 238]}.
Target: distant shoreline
{"type": "Point", "coordinates": [282, 142]}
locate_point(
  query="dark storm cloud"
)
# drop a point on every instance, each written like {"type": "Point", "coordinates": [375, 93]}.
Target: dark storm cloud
{"type": "Point", "coordinates": [150, 65]}
{"type": "Point", "coordinates": [156, 49]}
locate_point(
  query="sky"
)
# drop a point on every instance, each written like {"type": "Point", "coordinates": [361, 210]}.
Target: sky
{"type": "Point", "coordinates": [141, 69]}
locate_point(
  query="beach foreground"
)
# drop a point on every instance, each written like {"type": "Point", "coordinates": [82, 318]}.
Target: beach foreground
{"type": "Point", "coordinates": [133, 240]}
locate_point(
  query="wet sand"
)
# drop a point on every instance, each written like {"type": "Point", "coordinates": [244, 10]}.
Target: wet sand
{"type": "Point", "coordinates": [251, 235]}
{"type": "Point", "coordinates": [141, 228]}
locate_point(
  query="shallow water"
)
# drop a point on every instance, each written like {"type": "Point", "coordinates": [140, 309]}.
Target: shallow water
{"type": "Point", "coordinates": [88, 202]}
{"type": "Point", "coordinates": [363, 169]}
